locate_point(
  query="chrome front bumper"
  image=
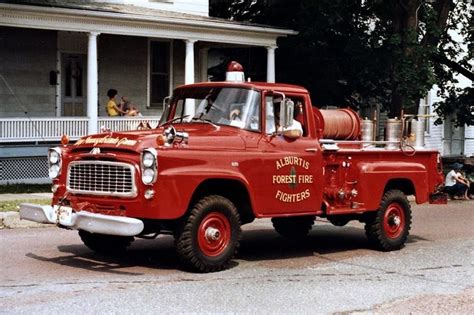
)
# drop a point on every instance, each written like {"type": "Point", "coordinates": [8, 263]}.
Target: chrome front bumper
{"type": "Point", "coordinates": [82, 220]}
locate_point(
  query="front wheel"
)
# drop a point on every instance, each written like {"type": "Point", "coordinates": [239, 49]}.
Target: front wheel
{"type": "Point", "coordinates": [209, 236]}
{"type": "Point", "coordinates": [388, 228]}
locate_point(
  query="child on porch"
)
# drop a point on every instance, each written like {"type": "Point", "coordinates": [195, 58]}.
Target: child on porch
{"type": "Point", "coordinates": [112, 108]}
{"type": "Point", "coordinates": [128, 108]}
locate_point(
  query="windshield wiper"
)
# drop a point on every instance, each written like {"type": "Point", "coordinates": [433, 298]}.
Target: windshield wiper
{"type": "Point", "coordinates": [173, 120]}
{"type": "Point", "coordinates": [207, 121]}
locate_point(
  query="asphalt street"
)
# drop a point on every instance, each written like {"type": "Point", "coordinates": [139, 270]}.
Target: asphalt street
{"type": "Point", "coordinates": [48, 270]}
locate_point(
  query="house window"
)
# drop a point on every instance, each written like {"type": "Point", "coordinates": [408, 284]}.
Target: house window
{"type": "Point", "coordinates": [159, 80]}
{"type": "Point", "coordinates": [425, 112]}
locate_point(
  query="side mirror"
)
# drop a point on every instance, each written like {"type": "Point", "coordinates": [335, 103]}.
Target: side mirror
{"type": "Point", "coordinates": [286, 112]}
{"type": "Point", "coordinates": [166, 101]}
{"type": "Point", "coordinates": [166, 110]}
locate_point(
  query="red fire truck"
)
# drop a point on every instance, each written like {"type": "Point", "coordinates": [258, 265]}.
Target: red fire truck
{"type": "Point", "coordinates": [224, 154]}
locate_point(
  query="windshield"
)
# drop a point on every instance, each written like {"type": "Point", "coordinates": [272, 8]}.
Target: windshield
{"type": "Point", "coordinates": [236, 107]}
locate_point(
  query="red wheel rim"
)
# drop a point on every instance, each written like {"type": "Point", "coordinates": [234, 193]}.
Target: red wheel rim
{"type": "Point", "coordinates": [214, 234]}
{"type": "Point", "coordinates": [394, 220]}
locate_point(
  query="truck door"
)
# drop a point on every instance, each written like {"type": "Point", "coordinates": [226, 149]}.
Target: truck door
{"type": "Point", "coordinates": [291, 178]}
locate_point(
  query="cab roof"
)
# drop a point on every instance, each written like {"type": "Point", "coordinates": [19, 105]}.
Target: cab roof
{"type": "Point", "coordinates": [281, 87]}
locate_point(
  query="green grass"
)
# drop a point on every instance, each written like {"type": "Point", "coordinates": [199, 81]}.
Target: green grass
{"type": "Point", "coordinates": [14, 205]}
{"type": "Point", "coordinates": [24, 188]}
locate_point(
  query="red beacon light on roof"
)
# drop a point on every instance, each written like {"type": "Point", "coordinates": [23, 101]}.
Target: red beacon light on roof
{"type": "Point", "coordinates": [235, 72]}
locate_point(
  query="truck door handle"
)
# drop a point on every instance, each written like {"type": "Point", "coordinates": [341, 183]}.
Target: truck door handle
{"type": "Point", "coordinates": [311, 150]}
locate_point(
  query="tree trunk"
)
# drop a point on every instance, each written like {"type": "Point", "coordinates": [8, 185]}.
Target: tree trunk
{"type": "Point", "coordinates": [405, 21]}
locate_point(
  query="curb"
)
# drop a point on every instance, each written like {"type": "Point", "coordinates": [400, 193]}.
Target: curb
{"type": "Point", "coordinates": [11, 220]}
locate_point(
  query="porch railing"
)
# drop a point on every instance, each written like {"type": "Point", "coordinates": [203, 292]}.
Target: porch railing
{"type": "Point", "coordinates": [43, 129]}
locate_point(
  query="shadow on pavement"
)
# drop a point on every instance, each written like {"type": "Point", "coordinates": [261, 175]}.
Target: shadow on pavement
{"type": "Point", "coordinates": [262, 244]}
{"type": "Point", "coordinates": [155, 254]}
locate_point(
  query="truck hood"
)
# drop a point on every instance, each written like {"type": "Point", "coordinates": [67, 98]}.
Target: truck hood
{"type": "Point", "coordinates": [201, 137]}
{"type": "Point", "coordinates": [209, 137]}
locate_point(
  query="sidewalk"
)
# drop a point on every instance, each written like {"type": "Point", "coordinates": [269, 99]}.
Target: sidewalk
{"type": "Point", "coordinates": [11, 219]}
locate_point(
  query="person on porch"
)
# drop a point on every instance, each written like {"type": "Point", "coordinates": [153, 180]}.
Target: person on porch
{"type": "Point", "coordinates": [127, 108]}
{"type": "Point", "coordinates": [112, 108]}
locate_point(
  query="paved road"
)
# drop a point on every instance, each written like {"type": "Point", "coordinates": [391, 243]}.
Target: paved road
{"type": "Point", "coordinates": [48, 270]}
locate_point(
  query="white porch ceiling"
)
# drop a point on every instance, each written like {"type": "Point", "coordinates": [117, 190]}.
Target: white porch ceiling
{"type": "Point", "coordinates": [154, 24]}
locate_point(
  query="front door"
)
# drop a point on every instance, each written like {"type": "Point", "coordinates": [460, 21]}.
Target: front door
{"type": "Point", "coordinates": [291, 172]}
{"type": "Point", "coordinates": [453, 138]}
{"type": "Point", "coordinates": [73, 90]}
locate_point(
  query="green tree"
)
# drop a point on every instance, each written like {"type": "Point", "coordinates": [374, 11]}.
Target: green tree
{"type": "Point", "coordinates": [359, 53]}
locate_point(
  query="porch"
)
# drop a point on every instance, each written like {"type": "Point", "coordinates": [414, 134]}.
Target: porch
{"type": "Point", "coordinates": [51, 129]}
{"type": "Point", "coordinates": [24, 142]}
{"type": "Point", "coordinates": [59, 61]}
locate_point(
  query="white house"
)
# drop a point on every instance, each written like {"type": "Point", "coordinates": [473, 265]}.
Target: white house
{"type": "Point", "coordinates": [59, 58]}
{"type": "Point", "coordinates": [449, 140]}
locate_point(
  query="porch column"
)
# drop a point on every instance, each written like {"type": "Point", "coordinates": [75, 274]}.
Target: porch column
{"type": "Point", "coordinates": [189, 73]}
{"type": "Point", "coordinates": [271, 64]}
{"type": "Point", "coordinates": [92, 83]}
{"type": "Point", "coordinates": [189, 63]}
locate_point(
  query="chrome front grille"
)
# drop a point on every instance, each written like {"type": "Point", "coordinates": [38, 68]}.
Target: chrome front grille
{"type": "Point", "coordinates": [101, 178]}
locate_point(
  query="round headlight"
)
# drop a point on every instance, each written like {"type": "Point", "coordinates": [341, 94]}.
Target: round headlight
{"type": "Point", "coordinates": [148, 159]}
{"type": "Point", "coordinates": [54, 171]}
{"type": "Point", "coordinates": [148, 176]}
{"type": "Point", "coordinates": [53, 157]}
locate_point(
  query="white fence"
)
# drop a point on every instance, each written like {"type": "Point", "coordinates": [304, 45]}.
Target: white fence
{"type": "Point", "coordinates": [42, 129]}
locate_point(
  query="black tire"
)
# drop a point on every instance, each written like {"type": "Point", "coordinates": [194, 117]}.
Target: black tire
{"type": "Point", "coordinates": [338, 220]}
{"type": "Point", "coordinates": [293, 227]}
{"type": "Point", "coordinates": [108, 244]}
{"type": "Point", "coordinates": [387, 229]}
{"type": "Point", "coordinates": [209, 237]}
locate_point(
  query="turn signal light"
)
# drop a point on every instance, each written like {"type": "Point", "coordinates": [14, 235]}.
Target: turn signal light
{"type": "Point", "coordinates": [64, 139]}
{"type": "Point", "coordinates": [160, 140]}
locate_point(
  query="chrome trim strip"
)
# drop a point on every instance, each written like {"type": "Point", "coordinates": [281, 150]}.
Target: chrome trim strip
{"type": "Point", "coordinates": [60, 161]}
{"type": "Point", "coordinates": [154, 152]}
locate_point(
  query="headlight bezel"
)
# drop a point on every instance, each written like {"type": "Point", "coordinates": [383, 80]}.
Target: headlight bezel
{"type": "Point", "coordinates": [56, 164]}
{"type": "Point", "coordinates": [146, 166]}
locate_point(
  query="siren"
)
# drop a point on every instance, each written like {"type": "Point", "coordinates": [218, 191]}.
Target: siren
{"type": "Point", "coordinates": [235, 72]}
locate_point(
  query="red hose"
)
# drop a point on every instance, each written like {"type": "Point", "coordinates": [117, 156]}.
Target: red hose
{"type": "Point", "coordinates": [341, 124]}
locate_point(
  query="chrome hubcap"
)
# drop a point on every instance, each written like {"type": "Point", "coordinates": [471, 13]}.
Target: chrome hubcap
{"type": "Point", "coordinates": [212, 234]}
{"type": "Point", "coordinates": [395, 220]}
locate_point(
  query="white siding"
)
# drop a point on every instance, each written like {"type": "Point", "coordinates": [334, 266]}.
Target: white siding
{"type": "Point", "coordinates": [435, 134]}
{"type": "Point", "coordinates": [26, 58]}
{"type": "Point", "coordinates": [123, 66]}
{"type": "Point", "coordinates": [435, 138]}
{"type": "Point", "coordinates": [469, 141]}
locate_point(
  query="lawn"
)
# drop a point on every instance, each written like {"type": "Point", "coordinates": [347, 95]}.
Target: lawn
{"type": "Point", "coordinates": [14, 205]}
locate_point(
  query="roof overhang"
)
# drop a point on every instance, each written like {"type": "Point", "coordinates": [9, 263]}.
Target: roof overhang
{"type": "Point", "coordinates": [185, 27]}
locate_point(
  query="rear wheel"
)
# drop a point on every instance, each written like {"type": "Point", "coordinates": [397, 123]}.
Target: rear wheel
{"type": "Point", "coordinates": [209, 237]}
{"type": "Point", "coordinates": [388, 228]}
{"type": "Point", "coordinates": [108, 244]}
{"type": "Point", "coordinates": [293, 227]}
